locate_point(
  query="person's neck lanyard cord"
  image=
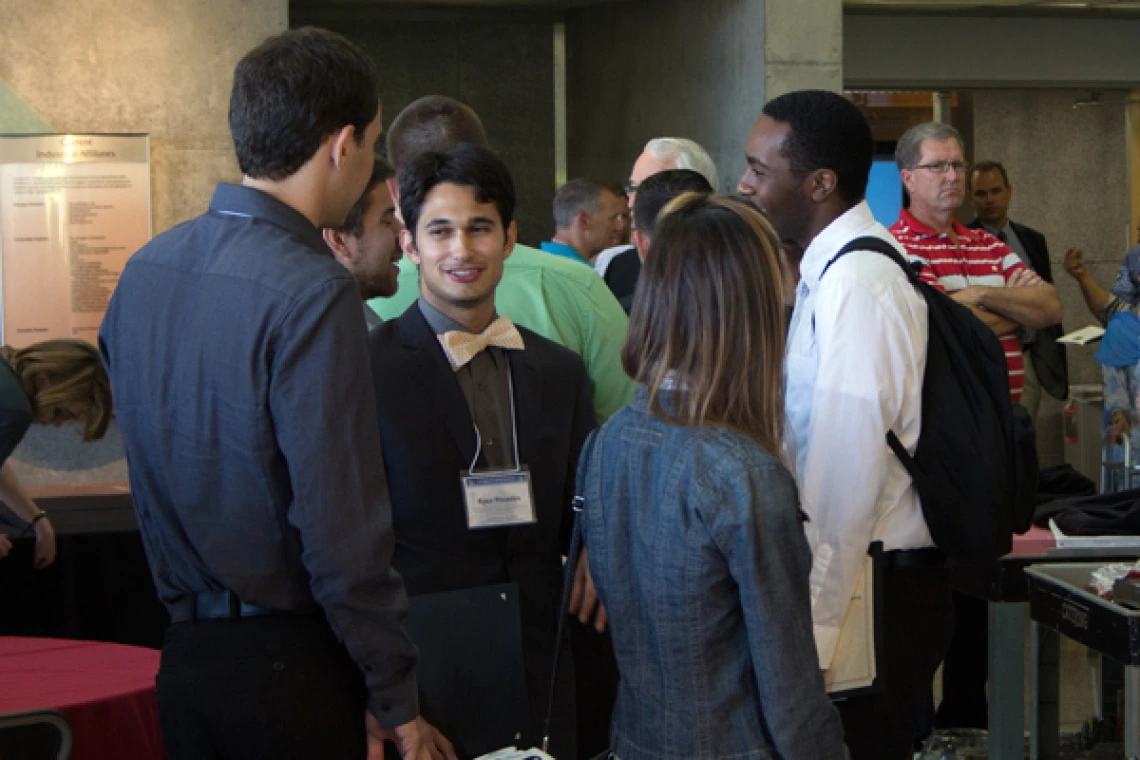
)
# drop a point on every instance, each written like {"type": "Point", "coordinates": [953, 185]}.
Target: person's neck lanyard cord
{"type": "Point", "coordinates": [514, 428]}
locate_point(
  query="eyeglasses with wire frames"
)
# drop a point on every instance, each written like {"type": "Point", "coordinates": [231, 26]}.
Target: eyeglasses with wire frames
{"type": "Point", "coordinates": [944, 167]}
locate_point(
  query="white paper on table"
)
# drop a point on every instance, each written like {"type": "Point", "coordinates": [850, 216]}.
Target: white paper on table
{"type": "Point", "coordinates": [1092, 542]}
{"type": "Point", "coordinates": [1083, 336]}
{"type": "Point", "coordinates": [511, 753]}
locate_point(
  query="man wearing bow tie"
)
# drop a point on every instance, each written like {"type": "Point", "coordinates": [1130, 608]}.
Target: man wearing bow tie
{"type": "Point", "coordinates": [467, 401]}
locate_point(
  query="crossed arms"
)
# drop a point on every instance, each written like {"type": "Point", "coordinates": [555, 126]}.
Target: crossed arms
{"type": "Point", "coordinates": [1025, 301]}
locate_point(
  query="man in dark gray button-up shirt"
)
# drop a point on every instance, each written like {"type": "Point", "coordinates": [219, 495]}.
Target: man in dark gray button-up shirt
{"type": "Point", "coordinates": [238, 356]}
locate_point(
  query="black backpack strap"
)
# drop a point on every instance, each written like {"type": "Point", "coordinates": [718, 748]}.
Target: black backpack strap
{"type": "Point", "coordinates": [570, 570]}
{"type": "Point", "coordinates": [878, 245]}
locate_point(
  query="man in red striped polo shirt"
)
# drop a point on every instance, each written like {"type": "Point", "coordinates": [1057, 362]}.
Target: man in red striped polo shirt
{"type": "Point", "coordinates": [973, 266]}
{"type": "Point", "coordinates": [983, 273]}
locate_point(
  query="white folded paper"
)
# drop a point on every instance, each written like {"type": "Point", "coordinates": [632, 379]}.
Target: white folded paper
{"type": "Point", "coordinates": [1083, 336]}
{"type": "Point", "coordinates": [511, 753]}
{"type": "Point", "coordinates": [1065, 541]}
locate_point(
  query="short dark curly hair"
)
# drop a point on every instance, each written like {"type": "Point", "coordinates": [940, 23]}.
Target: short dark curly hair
{"type": "Point", "coordinates": [465, 165]}
{"type": "Point", "coordinates": [293, 91]}
{"type": "Point", "coordinates": [382, 171]}
{"type": "Point", "coordinates": [826, 131]}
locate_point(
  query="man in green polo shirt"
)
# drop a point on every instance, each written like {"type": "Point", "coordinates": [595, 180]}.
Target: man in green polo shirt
{"type": "Point", "coordinates": [557, 298]}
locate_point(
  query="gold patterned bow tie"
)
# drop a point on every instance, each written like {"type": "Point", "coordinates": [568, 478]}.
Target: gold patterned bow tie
{"type": "Point", "coordinates": [461, 347]}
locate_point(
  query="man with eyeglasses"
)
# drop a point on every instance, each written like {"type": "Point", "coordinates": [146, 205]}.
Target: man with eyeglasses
{"type": "Point", "coordinates": [980, 271]}
{"type": "Point", "coordinates": [621, 266]}
{"type": "Point", "coordinates": [972, 266]}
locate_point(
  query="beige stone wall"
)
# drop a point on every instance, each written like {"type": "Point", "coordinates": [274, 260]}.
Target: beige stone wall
{"type": "Point", "coordinates": [162, 67]}
{"type": "Point", "coordinates": [1071, 181]}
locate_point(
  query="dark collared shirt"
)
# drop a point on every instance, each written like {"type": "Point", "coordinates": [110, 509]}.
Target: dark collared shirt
{"type": "Point", "coordinates": [243, 391]}
{"type": "Point", "coordinates": [485, 382]}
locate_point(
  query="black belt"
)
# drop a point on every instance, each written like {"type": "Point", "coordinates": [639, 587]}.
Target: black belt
{"type": "Point", "coordinates": [214, 605]}
{"type": "Point", "coordinates": [907, 558]}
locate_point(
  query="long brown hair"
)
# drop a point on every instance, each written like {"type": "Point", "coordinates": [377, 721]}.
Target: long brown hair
{"type": "Point", "coordinates": [72, 374]}
{"type": "Point", "coordinates": [708, 315]}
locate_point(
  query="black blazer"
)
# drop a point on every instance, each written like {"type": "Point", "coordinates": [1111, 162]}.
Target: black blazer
{"type": "Point", "coordinates": [428, 438]}
{"type": "Point", "coordinates": [622, 275]}
{"type": "Point", "coordinates": [1049, 360]}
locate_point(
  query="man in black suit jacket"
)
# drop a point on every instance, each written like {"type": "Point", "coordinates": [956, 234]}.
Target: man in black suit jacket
{"type": "Point", "coordinates": [448, 404]}
{"type": "Point", "coordinates": [990, 192]}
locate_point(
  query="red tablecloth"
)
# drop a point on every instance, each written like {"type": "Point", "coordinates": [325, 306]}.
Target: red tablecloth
{"type": "Point", "coordinates": [105, 690]}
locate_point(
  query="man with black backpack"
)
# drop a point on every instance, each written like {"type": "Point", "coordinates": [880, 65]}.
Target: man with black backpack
{"type": "Point", "coordinates": [980, 271]}
{"type": "Point", "coordinates": [857, 353]}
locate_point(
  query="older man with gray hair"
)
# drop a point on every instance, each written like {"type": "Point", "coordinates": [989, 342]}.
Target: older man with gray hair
{"type": "Point", "coordinates": [980, 271]}
{"type": "Point", "coordinates": [621, 266]}
{"type": "Point", "coordinates": [972, 266]}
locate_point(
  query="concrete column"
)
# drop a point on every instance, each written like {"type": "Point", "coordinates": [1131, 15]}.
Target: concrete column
{"type": "Point", "coordinates": [674, 68]}
{"type": "Point", "coordinates": [803, 46]}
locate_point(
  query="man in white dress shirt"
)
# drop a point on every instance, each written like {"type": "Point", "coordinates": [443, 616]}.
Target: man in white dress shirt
{"type": "Point", "coordinates": [856, 355]}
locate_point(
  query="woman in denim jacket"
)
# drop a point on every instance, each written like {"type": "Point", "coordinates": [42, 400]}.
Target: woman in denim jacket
{"type": "Point", "coordinates": [692, 521]}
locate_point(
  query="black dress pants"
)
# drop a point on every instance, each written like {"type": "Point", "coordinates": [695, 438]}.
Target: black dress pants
{"type": "Point", "coordinates": [277, 687]}
{"type": "Point", "coordinates": [918, 618]}
{"type": "Point", "coordinates": [967, 666]}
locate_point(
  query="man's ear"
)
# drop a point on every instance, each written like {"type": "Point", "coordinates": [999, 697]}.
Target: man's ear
{"type": "Point", "coordinates": [335, 241]}
{"type": "Point", "coordinates": [582, 220]}
{"type": "Point", "coordinates": [339, 147]}
{"type": "Point", "coordinates": [641, 243]}
{"type": "Point", "coordinates": [394, 191]}
{"type": "Point", "coordinates": [907, 177]}
{"type": "Point", "coordinates": [408, 246]}
{"type": "Point", "coordinates": [512, 238]}
{"type": "Point", "coordinates": [822, 184]}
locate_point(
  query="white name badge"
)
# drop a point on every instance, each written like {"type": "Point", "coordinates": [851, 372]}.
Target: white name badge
{"type": "Point", "coordinates": [498, 499]}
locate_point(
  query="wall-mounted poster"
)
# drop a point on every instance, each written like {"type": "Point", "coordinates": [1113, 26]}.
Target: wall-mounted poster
{"type": "Point", "coordinates": [73, 208]}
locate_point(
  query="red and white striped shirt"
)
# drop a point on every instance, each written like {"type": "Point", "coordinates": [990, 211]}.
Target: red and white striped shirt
{"type": "Point", "coordinates": [979, 258]}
